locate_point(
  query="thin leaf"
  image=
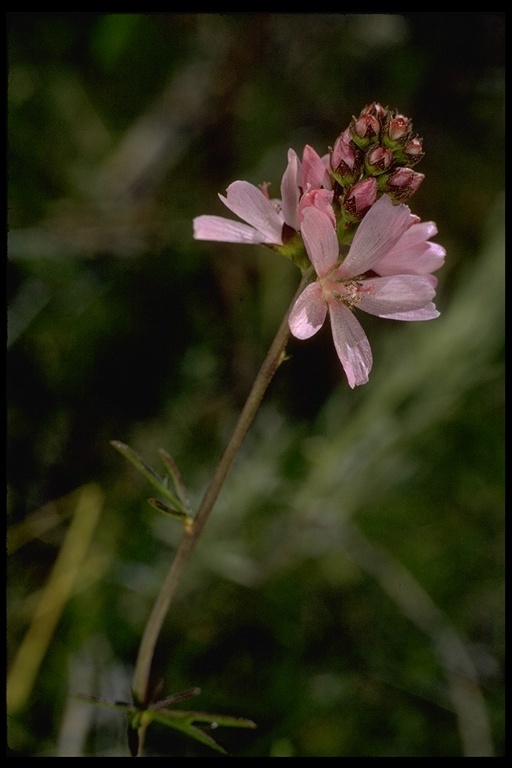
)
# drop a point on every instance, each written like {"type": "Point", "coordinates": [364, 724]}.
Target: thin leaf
{"type": "Point", "coordinates": [149, 473]}
{"type": "Point", "coordinates": [176, 478]}
{"type": "Point", "coordinates": [187, 727]}
{"type": "Point", "coordinates": [175, 698]}
{"type": "Point", "coordinates": [215, 720]}
{"type": "Point", "coordinates": [168, 510]}
{"type": "Point", "coordinates": [183, 721]}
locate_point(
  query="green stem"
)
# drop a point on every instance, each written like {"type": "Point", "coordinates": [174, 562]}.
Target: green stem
{"type": "Point", "coordinates": [191, 534]}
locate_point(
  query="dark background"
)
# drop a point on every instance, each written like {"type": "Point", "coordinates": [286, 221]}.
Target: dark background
{"type": "Point", "coordinates": [350, 580]}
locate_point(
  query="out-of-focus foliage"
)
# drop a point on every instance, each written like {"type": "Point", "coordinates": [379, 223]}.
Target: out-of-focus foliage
{"type": "Point", "coordinates": [347, 593]}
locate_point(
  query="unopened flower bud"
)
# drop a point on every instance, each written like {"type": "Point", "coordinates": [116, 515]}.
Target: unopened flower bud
{"type": "Point", "coordinates": [359, 199]}
{"type": "Point", "coordinates": [346, 160]}
{"type": "Point", "coordinates": [377, 160]}
{"type": "Point", "coordinates": [401, 184]}
{"type": "Point", "coordinates": [413, 151]}
{"type": "Point", "coordinates": [364, 130]}
{"type": "Point", "coordinates": [377, 110]}
{"type": "Point", "coordinates": [399, 127]}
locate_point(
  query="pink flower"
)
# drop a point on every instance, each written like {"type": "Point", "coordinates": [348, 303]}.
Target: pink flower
{"type": "Point", "coordinates": [386, 236]}
{"type": "Point", "coordinates": [264, 218]}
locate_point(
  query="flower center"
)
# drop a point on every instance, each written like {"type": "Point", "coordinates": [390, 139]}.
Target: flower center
{"type": "Point", "coordinates": [347, 291]}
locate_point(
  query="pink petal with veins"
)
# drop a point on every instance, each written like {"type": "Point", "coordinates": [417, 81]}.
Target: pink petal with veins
{"type": "Point", "coordinates": [413, 253]}
{"type": "Point", "coordinates": [320, 240]}
{"type": "Point", "coordinates": [308, 313]}
{"type": "Point", "coordinates": [249, 202]}
{"type": "Point", "coordinates": [314, 170]}
{"type": "Point", "coordinates": [379, 231]}
{"type": "Point", "coordinates": [384, 296]}
{"type": "Point", "coordinates": [351, 344]}
{"type": "Point", "coordinates": [428, 312]}
{"type": "Point", "coordinates": [225, 230]}
{"type": "Point", "coordinates": [290, 192]}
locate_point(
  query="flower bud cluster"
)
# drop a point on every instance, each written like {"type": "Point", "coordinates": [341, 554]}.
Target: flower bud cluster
{"type": "Point", "coordinates": [375, 155]}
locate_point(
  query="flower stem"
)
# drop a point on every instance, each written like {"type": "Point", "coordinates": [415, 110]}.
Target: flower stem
{"type": "Point", "coordinates": [191, 533]}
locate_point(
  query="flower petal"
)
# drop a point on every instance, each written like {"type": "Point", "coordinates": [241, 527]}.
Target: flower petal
{"type": "Point", "coordinates": [320, 240]}
{"type": "Point", "coordinates": [420, 231]}
{"type": "Point", "coordinates": [308, 313]}
{"type": "Point", "coordinates": [351, 344]}
{"type": "Point", "coordinates": [225, 230]}
{"type": "Point", "coordinates": [428, 312]}
{"type": "Point", "coordinates": [319, 198]}
{"type": "Point", "coordinates": [413, 253]}
{"type": "Point", "coordinates": [290, 192]}
{"type": "Point", "coordinates": [386, 296]}
{"type": "Point", "coordinates": [420, 259]}
{"type": "Point", "coordinates": [381, 228]}
{"type": "Point", "coordinates": [314, 170]}
{"type": "Point", "coordinates": [249, 202]}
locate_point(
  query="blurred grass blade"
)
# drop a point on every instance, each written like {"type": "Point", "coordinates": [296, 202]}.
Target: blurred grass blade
{"type": "Point", "coordinates": [123, 706]}
{"type": "Point", "coordinates": [57, 591]}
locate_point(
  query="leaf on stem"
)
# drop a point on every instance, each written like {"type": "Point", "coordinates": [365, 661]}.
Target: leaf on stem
{"type": "Point", "coordinates": [184, 721]}
{"type": "Point", "coordinates": [153, 477]}
{"type": "Point", "coordinates": [176, 478]}
{"type": "Point", "coordinates": [168, 510]}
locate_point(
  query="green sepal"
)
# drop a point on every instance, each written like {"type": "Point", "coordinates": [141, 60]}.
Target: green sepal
{"type": "Point", "coordinates": [293, 249]}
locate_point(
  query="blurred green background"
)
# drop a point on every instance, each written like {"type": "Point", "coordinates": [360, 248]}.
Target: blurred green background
{"type": "Point", "coordinates": [347, 593]}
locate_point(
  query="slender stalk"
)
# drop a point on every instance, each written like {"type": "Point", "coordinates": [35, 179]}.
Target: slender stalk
{"type": "Point", "coordinates": [191, 534]}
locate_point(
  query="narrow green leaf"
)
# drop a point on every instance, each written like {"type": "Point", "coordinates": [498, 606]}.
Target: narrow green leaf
{"type": "Point", "coordinates": [168, 510]}
{"type": "Point", "coordinates": [180, 720]}
{"type": "Point", "coordinates": [226, 720]}
{"type": "Point", "coordinates": [176, 478]}
{"type": "Point", "coordinates": [187, 727]}
{"type": "Point", "coordinates": [176, 698]}
{"type": "Point", "coordinates": [148, 472]}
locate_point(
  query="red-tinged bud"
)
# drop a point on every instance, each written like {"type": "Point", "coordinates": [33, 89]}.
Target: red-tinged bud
{"type": "Point", "coordinates": [377, 160]}
{"type": "Point", "coordinates": [401, 184]}
{"type": "Point", "coordinates": [346, 160]}
{"type": "Point", "coordinates": [399, 128]}
{"type": "Point", "coordinates": [364, 130]}
{"type": "Point", "coordinates": [413, 151]}
{"type": "Point", "coordinates": [377, 110]}
{"type": "Point", "coordinates": [359, 199]}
